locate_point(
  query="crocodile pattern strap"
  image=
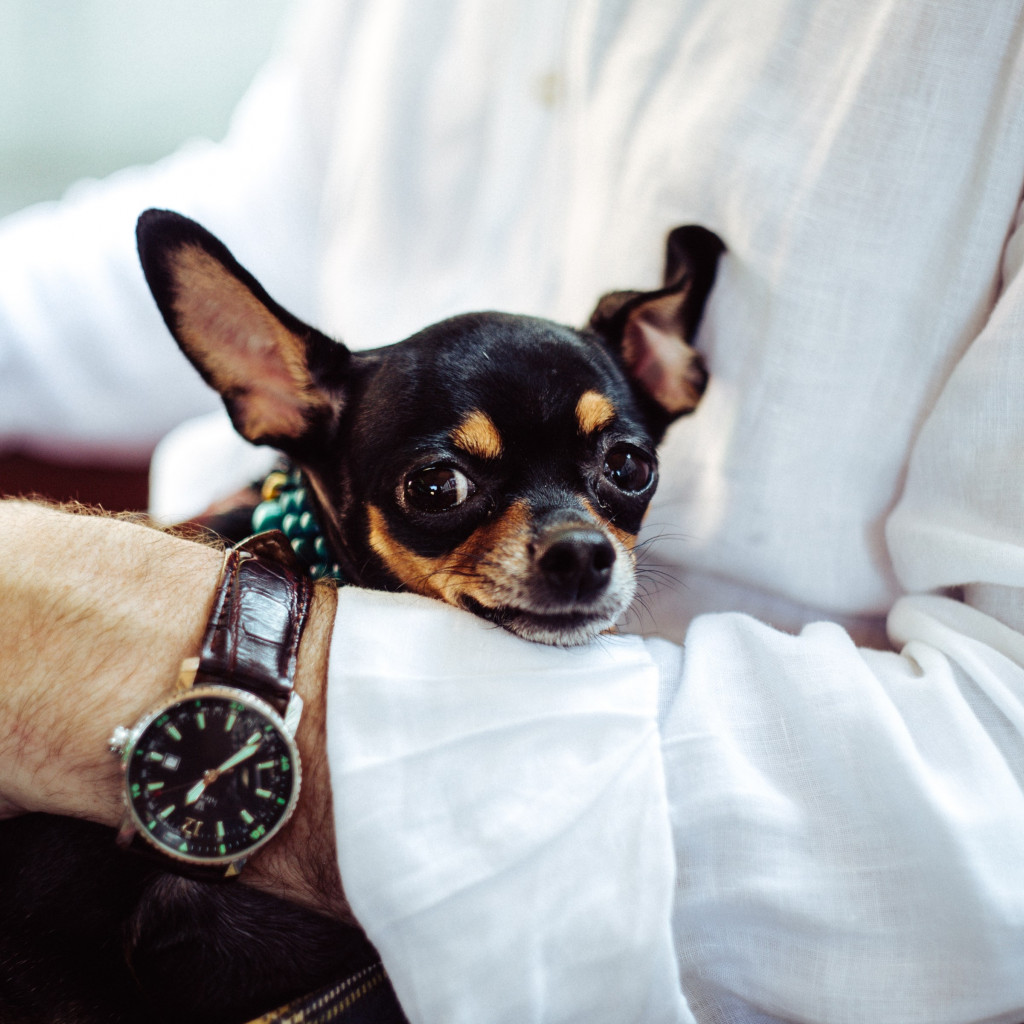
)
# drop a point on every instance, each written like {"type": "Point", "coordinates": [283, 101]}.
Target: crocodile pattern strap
{"type": "Point", "coordinates": [259, 613]}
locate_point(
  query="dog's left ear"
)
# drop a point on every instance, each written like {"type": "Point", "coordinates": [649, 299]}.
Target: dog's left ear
{"type": "Point", "coordinates": [278, 377]}
{"type": "Point", "coordinates": [653, 331]}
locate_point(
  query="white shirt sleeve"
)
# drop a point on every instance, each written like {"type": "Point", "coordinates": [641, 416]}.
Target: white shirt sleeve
{"type": "Point", "coordinates": [501, 817]}
{"type": "Point", "coordinates": [849, 824]}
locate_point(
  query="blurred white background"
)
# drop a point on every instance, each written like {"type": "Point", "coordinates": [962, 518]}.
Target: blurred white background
{"type": "Point", "coordinates": [90, 86]}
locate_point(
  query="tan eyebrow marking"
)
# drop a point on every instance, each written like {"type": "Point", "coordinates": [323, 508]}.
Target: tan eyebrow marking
{"type": "Point", "coordinates": [593, 412]}
{"type": "Point", "coordinates": [478, 435]}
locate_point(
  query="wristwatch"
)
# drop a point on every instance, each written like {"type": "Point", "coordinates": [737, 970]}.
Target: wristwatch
{"type": "Point", "coordinates": [212, 773]}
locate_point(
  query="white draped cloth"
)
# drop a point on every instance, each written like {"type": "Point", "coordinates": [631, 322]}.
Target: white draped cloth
{"type": "Point", "coordinates": [810, 811]}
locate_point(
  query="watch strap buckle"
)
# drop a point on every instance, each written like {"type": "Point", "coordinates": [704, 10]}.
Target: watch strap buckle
{"type": "Point", "coordinates": [187, 674]}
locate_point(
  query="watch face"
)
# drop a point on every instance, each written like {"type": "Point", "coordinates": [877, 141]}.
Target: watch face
{"type": "Point", "coordinates": [212, 776]}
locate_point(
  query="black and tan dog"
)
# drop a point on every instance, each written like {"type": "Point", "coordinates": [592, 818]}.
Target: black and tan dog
{"type": "Point", "coordinates": [500, 463]}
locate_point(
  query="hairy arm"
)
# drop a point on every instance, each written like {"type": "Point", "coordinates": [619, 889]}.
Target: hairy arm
{"type": "Point", "coordinates": [96, 615]}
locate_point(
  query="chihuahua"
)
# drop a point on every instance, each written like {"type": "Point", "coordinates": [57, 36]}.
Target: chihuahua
{"type": "Point", "coordinates": [502, 464]}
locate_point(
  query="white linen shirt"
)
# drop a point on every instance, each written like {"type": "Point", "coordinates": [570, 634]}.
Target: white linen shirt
{"type": "Point", "coordinates": [813, 811]}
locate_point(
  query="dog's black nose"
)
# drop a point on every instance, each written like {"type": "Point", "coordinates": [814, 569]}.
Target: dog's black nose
{"type": "Point", "coordinates": [576, 563]}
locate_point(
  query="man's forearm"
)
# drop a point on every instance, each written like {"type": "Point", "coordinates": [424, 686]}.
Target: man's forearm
{"type": "Point", "coordinates": [96, 616]}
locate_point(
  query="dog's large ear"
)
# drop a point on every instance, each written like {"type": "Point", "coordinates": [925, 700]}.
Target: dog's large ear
{"type": "Point", "coordinates": [653, 331]}
{"type": "Point", "coordinates": [271, 370]}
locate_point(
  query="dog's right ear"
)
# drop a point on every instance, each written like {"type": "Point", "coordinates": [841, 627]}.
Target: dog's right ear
{"type": "Point", "coordinates": [270, 368]}
{"type": "Point", "coordinates": [653, 331]}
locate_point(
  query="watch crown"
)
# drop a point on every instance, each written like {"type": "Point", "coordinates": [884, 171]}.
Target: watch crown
{"type": "Point", "coordinates": [118, 740]}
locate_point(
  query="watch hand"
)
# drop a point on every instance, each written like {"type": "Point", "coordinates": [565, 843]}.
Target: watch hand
{"type": "Point", "coordinates": [250, 748]}
{"type": "Point", "coordinates": [252, 745]}
{"type": "Point", "coordinates": [197, 790]}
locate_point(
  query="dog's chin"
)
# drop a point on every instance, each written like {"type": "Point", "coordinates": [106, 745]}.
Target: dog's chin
{"type": "Point", "coordinates": [557, 629]}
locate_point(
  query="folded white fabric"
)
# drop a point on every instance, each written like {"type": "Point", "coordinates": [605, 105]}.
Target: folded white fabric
{"type": "Point", "coordinates": [546, 869]}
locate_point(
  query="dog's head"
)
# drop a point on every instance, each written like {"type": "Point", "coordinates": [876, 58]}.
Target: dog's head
{"type": "Point", "coordinates": [500, 463]}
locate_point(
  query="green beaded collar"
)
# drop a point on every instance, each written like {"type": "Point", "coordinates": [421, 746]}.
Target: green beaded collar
{"type": "Point", "coordinates": [286, 507]}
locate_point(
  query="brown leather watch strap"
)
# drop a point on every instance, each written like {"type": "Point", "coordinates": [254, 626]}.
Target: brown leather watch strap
{"type": "Point", "coordinates": [259, 613]}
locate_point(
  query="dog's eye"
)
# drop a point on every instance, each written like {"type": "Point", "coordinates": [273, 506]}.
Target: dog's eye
{"type": "Point", "coordinates": [437, 488]}
{"type": "Point", "coordinates": [628, 468]}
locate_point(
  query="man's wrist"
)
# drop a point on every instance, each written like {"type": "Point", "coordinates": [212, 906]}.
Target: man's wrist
{"type": "Point", "coordinates": [96, 616]}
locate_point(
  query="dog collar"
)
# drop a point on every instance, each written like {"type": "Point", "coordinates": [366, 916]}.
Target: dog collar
{"type": "Point", "coordinates": [286, 507]}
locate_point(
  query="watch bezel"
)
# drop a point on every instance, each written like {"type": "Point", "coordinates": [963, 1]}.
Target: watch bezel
{"type": "Point", "coordinates": [254, 703]}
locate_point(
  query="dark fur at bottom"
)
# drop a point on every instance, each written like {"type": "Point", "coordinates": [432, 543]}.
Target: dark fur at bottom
{"type": "Point", "coordinates": [94, 936]}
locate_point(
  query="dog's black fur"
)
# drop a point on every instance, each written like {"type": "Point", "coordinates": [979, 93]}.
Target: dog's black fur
{"type": "Point", "coordinates": [500, 463]}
